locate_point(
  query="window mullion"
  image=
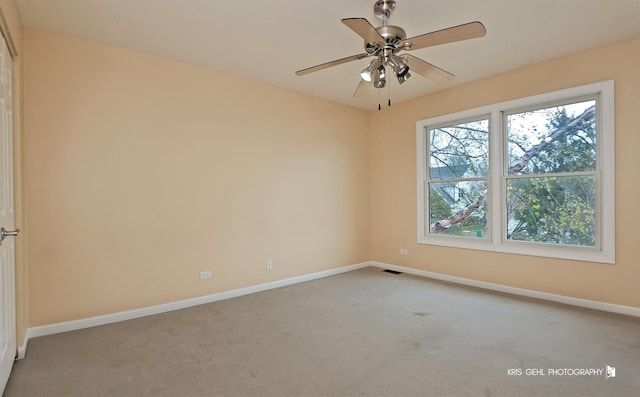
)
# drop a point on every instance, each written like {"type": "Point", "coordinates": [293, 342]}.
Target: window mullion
{"type": "Point", "coordinates": [496, 184]}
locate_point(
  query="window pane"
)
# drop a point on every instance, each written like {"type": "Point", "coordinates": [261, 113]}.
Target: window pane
{"type": "Point", "coordinates": [458, 208]}
{"type": "Point", "coordinates": [559, 210]}
{"type": "Point", "coordinates": [553, 139]}
{"type": "Point", "coordinates": [459, 151]}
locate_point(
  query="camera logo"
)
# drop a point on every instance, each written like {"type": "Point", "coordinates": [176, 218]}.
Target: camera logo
{"type": "Point", "coordinates": [611, 372]}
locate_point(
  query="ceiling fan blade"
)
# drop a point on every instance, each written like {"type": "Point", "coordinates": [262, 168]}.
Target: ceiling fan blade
{"type": "Point", "coordinates": [428, 71]}
{"type": "Point", "coordinates": [364, 29]}
{"type": "Point", "coordinates": [332, 63]}
{"type": "Point", "coordinates": [363, 88]}
{"type": "Point", "coordinates": [467, 31]}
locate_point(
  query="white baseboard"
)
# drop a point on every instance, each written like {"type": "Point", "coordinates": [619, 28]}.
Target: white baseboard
{"type": "Point", "coordinates": [51, 329]}
{"type": "Point", "coordinates": [589, 304]}
{"type": "Point", "coordinates": [22, 350]}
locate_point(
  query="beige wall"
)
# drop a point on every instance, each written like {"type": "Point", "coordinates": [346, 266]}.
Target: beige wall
{"type": "Point", "coordinates": [11, 26]}
{"type": "Point", "coordinates": [141, 172]}
{"type": "Point", "coordinates": [393, 176]}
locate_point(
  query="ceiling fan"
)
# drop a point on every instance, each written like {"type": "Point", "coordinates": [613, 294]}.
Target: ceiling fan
{"type": "Point", "coordinates": [385, 42]}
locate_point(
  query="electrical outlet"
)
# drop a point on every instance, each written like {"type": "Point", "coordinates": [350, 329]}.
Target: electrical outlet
{"type": "Point", "coordinates": [269, 264]}
{"type": "Point", "coordinates": [204, 275]}
{"type": "Point", "coordinates": [404, 252]}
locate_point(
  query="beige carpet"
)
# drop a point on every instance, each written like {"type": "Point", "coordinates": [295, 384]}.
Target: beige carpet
{"type": "Point", "coordinates": [363, 333]}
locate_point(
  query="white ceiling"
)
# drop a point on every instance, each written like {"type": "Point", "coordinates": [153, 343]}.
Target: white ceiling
{"type": "Point", "coordinates": [268, 40]}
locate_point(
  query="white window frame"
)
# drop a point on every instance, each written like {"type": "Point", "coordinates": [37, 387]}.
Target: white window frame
{"type": "Point", "coordinates": [603, 252]}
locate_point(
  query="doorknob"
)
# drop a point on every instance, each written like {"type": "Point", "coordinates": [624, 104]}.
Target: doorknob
{"type": "Point", "coordinates": [4, 233]}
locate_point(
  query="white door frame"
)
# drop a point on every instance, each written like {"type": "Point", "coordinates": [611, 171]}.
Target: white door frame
{"type": "Point", "coordinates": [7, 219]}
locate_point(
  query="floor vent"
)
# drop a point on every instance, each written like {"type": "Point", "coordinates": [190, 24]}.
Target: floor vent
{"type": "Point", "coordinates": [392, 271]}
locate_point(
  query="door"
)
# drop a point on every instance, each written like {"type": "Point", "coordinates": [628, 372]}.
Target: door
{"type": "Point", "coordinates": [7, 220]}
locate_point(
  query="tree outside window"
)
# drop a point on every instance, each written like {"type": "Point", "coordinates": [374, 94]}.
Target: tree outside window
{"type": "Point", "coordinates": [551, 181]}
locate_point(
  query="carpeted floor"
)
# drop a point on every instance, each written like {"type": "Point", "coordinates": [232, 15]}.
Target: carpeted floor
{"type": "Point", "coordinates": [363, 333]}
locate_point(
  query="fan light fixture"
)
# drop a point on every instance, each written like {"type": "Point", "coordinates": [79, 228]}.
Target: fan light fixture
{"type": "Point", "coordinates": [378, 66]}
{"type": "Point", "coordinates": [368, 72]}
{"type": "Point", "coordinates": [403, 78]}
{"type": "Point", "coordinates": [379, 77]}
{"type": "Point", "coordinates": [399, 65]}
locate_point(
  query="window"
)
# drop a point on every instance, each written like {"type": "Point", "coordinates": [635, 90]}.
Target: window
{"type": "Point", "coordinates": [533, 176]}
{"type": "Point", "coordinates": [458, 177]}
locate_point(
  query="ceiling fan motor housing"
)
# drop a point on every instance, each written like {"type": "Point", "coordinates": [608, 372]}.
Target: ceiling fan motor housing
{"type": "Point", "coordinates": [392, 36]}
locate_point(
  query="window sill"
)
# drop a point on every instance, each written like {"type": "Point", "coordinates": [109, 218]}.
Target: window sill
{"type": "Point", "coordinates": [585, 254]}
